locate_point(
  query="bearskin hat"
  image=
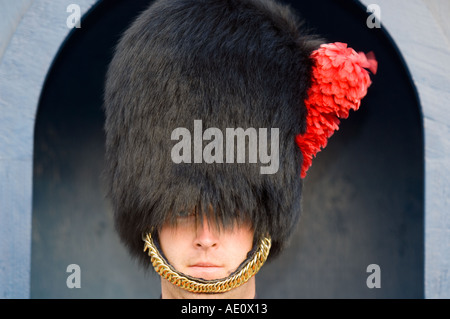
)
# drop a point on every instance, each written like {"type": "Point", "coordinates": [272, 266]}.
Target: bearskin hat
{"type": "Point", "coordinates": [229, 64]}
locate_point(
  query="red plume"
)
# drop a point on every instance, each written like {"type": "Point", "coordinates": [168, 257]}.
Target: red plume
{"type": "Point", "coordinates": [339, 82]}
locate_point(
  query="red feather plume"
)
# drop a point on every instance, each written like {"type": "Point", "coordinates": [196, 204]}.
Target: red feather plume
{"type": "Point", "coordinates": [339, 82]}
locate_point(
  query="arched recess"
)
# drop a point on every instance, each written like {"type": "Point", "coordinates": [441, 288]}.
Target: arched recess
{"type": "Point", "coordinates": [363, 199]}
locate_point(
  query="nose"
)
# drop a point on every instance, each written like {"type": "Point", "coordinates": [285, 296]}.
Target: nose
{"type": "Point", "coordinates": [206, 236]}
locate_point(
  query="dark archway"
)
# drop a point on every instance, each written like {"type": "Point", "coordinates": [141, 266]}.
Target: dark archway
{"type": "Point", "coordinates": [363, 197]}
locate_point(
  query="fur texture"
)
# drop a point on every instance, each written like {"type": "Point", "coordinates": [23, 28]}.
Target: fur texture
{"type": "Point", "coordinates": [229, 63]}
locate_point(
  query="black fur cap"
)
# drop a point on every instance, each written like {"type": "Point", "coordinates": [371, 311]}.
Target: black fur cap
{"type": "Point", "coordinates": [230, 64]}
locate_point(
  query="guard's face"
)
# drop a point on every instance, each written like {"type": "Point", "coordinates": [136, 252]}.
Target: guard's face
{"type": "Point", "coordinates": [203, 251]}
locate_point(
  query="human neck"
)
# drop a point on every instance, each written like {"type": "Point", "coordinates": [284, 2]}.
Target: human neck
{"type": "Point", "coordinates": [245, 291]}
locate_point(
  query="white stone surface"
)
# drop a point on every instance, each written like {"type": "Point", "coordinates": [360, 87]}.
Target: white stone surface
{"type": "Point", "coordinates": [30, 39]}
{"type": "Point", "coordinates": [11, 13]}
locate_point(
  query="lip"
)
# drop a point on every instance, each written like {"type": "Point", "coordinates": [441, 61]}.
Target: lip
{"type": "Point", "coordinates": [205, 265]}
{"type": "Point", "coordinates": [206, 270]}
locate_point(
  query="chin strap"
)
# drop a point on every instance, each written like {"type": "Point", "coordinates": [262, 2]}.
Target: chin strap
{"type": "Point", "coordinates": [197, 285]}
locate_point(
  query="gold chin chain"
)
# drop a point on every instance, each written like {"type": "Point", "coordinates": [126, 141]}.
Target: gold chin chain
{"type": "Point", "coordinates": [198, 285]}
